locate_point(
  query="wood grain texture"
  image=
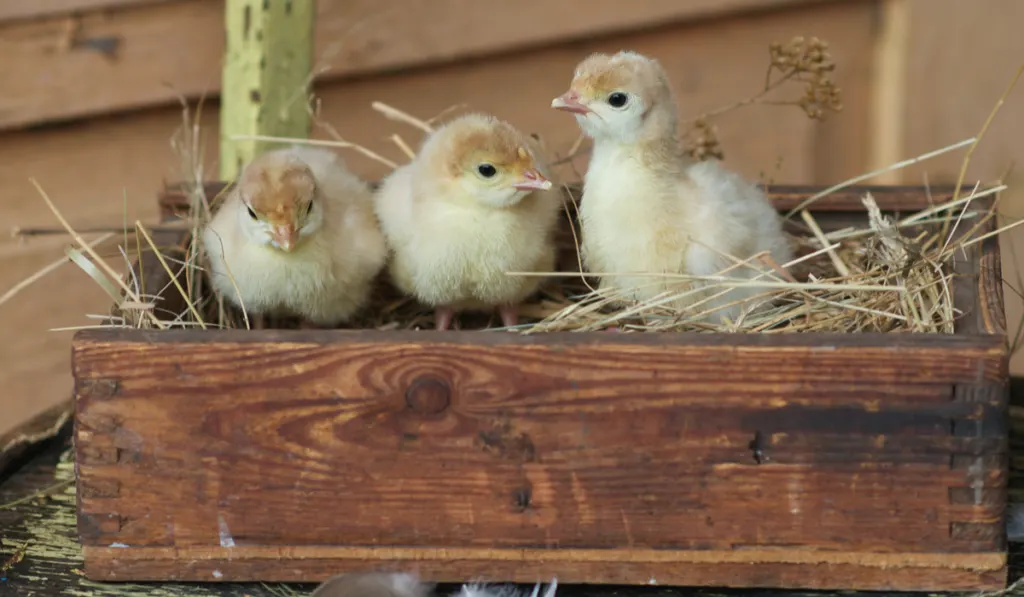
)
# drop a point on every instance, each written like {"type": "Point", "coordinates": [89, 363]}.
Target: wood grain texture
{"type": "Point", "coordinates": [978, 278]}
{"type": "Point", "coordinates": [163, 49]}
{"type": "Point", "coordinates": [188, 442]}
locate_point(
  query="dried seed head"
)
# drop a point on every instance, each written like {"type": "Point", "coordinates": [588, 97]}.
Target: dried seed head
{"type": "Point", "coordinates": [702, 142]}
{"type": "Point", "coordinates": [807, 61]}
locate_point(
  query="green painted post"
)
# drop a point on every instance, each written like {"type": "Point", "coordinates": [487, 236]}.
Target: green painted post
{"type": "Point", "coordinates": [267, 66]}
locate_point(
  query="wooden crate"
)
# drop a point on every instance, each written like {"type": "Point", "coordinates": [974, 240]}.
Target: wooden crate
{"type": "Point", "coordinates": [860, 461]}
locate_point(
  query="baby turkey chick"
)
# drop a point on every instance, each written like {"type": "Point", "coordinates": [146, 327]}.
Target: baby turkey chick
{"type": "Point", "coordinates": [296, 235]}
{"type": "Point", "coordinates": [475, 203]}
{"type": "Point", "coordinates": [646, 206]}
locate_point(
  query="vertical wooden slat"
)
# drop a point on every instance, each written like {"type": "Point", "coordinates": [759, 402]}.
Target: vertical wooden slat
{"type": "Point", "coordinates": [267, 65]}
{"type": "Point", "coordinates": [889, 89]}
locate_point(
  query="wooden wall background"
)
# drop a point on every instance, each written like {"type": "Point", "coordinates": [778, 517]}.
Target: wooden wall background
{"type": "Point", "coordinates": [89, 93]}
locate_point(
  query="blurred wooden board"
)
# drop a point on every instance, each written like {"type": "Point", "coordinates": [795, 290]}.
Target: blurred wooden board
{"type": "Point", "coordinates": [12, 10]}
{"type": "Point", "coordinates": [19, 441]}
{"type": "Point", "coordinates": [159, 51]}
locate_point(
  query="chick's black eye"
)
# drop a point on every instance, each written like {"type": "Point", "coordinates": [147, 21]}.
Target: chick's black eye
{"type": "Point", "coordinates": [486, 170]}
{"type": "Point", "coordinates": [617, 99]}
{"type": "Point", "coordinates": [309, 208]}
{"type": "Point", "coordinates": [252, 214]}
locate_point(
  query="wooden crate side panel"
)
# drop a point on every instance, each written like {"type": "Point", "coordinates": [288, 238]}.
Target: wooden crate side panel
{"type": "Point", "coordinates": [977, 282]}
{"type": "Point", "coordinates": [540, 444]}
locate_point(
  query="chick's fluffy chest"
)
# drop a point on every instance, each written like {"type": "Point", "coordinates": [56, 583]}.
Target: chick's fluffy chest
{"type": "Point", "coordinates": [630, 221]}
{"type": "Point", "coordinates": [461, 255]}
{"type": "Point", "coordinates": [272, 278]}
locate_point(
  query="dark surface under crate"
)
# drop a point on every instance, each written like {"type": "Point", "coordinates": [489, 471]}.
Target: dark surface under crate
{"type": "Point", "coordinates": [857, 461]}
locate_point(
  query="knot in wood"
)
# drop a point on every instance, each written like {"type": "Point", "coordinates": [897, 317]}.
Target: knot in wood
{"type": "Point", "coordinates": [428, 395]}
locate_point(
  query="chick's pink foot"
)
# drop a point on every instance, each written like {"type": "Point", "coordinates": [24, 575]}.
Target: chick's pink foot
{"type": "Point", "coordinates": [509, 315]}
{"type": "Point", "coordinates": [443, 318]}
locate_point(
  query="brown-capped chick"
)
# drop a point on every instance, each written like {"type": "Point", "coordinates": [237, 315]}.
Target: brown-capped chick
{"type": "Point", "coordinates": [646, 206]}
{"type": "Point", "coordinates": [373, 584]}
{"type": "Point", "coordinates": [297, 235]}
{"type": "Point", "coordinates": [475, 203]}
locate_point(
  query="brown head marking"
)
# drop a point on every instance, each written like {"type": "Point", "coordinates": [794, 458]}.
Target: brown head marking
{"type": "Point", "coordinates": [277, 189]}
{"type": "Point", "coordinates": [474, 139]}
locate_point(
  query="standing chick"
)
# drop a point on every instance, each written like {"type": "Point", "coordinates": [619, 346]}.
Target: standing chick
{"type": "Point", "coordinates": [646, 206]}
{"type": "Point", "coordinates": [373, 584]}
{"type": "Point", "coordinates": [297, 235]}
{"type": "Point", "coordinates": [475, 203]}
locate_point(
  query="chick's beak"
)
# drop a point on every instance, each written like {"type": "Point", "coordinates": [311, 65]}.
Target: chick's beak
{"type": "Point", "coordinates": [533, 181]}
{"type": "Point", "coordinates": [284, 237]}
{"type": "Point", "coordinates": [570, 102]}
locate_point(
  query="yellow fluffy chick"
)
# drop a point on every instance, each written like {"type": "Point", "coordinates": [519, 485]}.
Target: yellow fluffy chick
{"type": "Point", "coordinates": [475, 203]}
{"type": "Point", "coordinates": [297, 235]}
{"type": "Point", "coordinates": [646, 206]}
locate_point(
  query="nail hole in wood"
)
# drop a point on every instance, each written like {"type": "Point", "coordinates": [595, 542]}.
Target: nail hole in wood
{"type": "Point", "coordinates": [521, 498]}
{"type": "Point", "coordinates": [757, 447]}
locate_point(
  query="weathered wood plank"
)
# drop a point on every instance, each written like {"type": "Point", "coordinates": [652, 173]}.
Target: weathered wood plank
{"type": "Point", "coordinates": [268, 66]}
{"type": "Point", "coordinates": [163, 50]}
{"type": "Point", "coordinates": [794, 358]}
{"type": "Point", "coordinates": [11, 10]}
